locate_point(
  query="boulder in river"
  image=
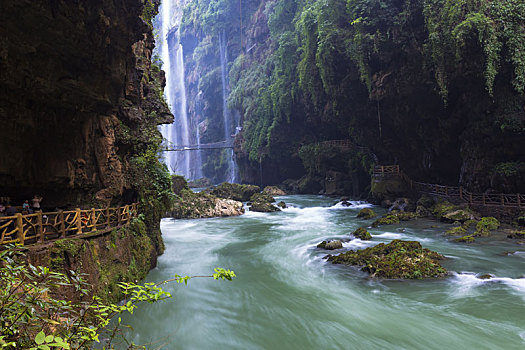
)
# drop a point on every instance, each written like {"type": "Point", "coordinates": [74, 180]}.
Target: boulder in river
{"type": "Point", "coordinates": [396, 260]}
{"type": "Point", "coordinates": [274, 191]}
{"type": "Point", "coordinates": [366, 213]}
{"type": "Point", "coordinates": [236, 192]}
{"type": "Point", "coordinates": [330, 245]}
{"type": "Point", "coordinates": [362, 234]}
{"type": "Point", "coordinates": [262, 202]}
{"type": "Point", "coordinates": [485, 225]}
{"type": "Point", "coordinates": [189, 205]}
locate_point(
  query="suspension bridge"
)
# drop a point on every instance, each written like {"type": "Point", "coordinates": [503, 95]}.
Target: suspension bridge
{"type": "Point", "coordinates": [215, 145]}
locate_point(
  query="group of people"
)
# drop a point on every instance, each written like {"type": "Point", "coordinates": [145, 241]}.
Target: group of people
{"type": "Point", "coordinates": [6, 209]}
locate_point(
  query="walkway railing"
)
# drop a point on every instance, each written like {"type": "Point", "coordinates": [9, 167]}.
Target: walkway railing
{"type": "Point", "coordinates": [40, 227]}
{"type": "Point", "coordinates": [215, 145]}
{"type": "Point", "coordinates": [489, 200]}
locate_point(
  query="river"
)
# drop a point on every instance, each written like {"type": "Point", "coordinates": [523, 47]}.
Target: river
{"type": "Point", "coordinates": [286, 296]}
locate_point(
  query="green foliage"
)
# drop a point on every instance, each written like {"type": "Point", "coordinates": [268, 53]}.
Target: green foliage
{"type": "Point", "coordinates": [33, 314]}
{"type": "Point", "coordinates": [149, 12]}
{"type": "Point", "coordinates": [485, 225]}
{"type": "Point", "coordinates": [452, 26]}
{"type": "Point", "coordinates": [509, 168]}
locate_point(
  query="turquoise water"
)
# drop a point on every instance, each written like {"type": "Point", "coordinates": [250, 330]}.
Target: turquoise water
{"type": "Point", "coordinates": [287, 297]}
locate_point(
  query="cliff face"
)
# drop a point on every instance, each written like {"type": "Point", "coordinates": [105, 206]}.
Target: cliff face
{"type": "Point", "coordinates": [75, 78]}
{"type": "Point", "coordinates": [433, 87]}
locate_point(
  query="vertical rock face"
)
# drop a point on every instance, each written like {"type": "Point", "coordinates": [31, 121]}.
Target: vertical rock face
{"type": "Point", "coordinates": [76, 83]}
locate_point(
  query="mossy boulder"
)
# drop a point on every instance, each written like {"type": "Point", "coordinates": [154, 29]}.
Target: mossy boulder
{"type": "Point", "coordinates": [461, 229]}
{"type": "Point", "coordinates": [458, 215]}
{"type": "Point", "coordinates": [465, 239]}
{"type": "Point", "coordinates": [330, 245]}
{"type": "Point", "coordinates": [485, 225]}
{"type": "Point", "coordinates": [448, 212]}
{"type": "Point", "coordinates": [282, 205]}
{"type": "Point", "coordinates": [386, 220]}
{"type": "Point", "coordinates": [456, 231]}
{"type": "Point", "coordinates": [236, 192]}
{"type": "Point", "coordinates": [190, 205]}
{"type": "Point", "coordinates": [262, 202]}
{"type": "Point", "coordinates": [274, 191]}
{"type": "Point", "coordinates": [362, 234]}
{"type": "Point", "coordinates": [366, 213]}
{"type": "Point", "coordinates": [396, 260]}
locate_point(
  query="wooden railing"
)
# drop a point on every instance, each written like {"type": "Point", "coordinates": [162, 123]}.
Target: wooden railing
{"type": "Point", "coordinates": [40, 227]}
{"type": "Point", "coordinates": [386, 170]}
{"type": "Point", "coordinates": [489, 200]}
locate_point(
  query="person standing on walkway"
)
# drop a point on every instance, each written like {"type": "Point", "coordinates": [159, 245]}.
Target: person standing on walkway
{"type": "Point", "coordinates": [36, 202]}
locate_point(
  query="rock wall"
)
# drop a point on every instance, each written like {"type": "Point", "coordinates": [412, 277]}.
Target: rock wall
{"type": "Point", "coordinates": [72, 73]}
{"type": "Point", "coordinates": [80, 102]}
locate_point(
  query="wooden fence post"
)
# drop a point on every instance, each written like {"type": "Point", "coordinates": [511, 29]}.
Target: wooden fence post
{"type": "Point", "coordinates": [62, 224]}
{"type": "Point", "coordinates": [20, 228]}
{"type": "Point", "coordinates": [483, 198]}
{"type": "Point", "coordinates": [119, 218]}
{"type": "Point", "coordinates": [79, 220]}
{"type": "Point", "coordinates": [108, 221]}
{"type": "Point", "coordinates": [93, 219]}
{"type": "Point", "coordinates": [519, 200]}
{"type": "Point", "coordinates": [470, 198]}
{"type": "Point", "coordinates": [39, 227]}
{"type": "Point", "coordinates": [461, 192]}
{"type": "Point", "coordinates": [502, 200]}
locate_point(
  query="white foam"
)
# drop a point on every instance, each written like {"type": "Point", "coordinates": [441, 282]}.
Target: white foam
{"type": "Point", "coordinates": [356, 244]}
{"type": "Point", "coordinates": [522, 335]}
{"type": "Point", "coordinates": [389, 235]}
{"type": "Point", "coordinates": [468, 281]}
{"type": "Point", "coordinates": [353, 205]}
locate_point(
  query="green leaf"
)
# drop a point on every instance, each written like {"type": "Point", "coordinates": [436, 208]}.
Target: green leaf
{"type": "Point", "coordinates": [49, 338]}
{"type": "Point", "coordinates": [40, 338]}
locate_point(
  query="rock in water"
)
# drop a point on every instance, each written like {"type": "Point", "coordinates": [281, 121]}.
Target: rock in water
{"type": "Point", "coordinates": [274, 191]}
{"type": "Point", "coordinates": [282, 205]}
{"type": "Point", "coordinates": [366, 213]}
{"type": "Point", "coordinates": [330, 245]}
{"type": "Point", "coordinates": [398, 259]}
{"type": "Point", "coordinates": [262, 202]}
{"type": "Point", "coordinates": [235, 191]}
{"type": "Point", "coordinates": [362, 234]}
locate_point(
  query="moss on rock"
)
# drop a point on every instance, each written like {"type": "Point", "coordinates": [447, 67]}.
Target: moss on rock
{"type": "Point", "coordinates": [386, 220]}
{"type": "Point", "coordinates": [398, 259]}
{"type": "Point", "coordinates": [330, 245]}
{"type": "Point", "coordinates": [262, 202]}
{"type": "Point", "coordinates": [465, 239]}
{"type": "Point", "coordinates": [485, 225]}
{"type": "Point", "coordinates": [236, 192]}
{"type": "Point", "coordinates": [362, 234]}
{"type": "Point", "coordinates": [366, 213]}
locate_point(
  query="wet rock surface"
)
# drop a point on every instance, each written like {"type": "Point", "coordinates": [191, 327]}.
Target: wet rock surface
{"type": "Point", "coordinates": [396, 260]}
{"type": "Point", "coordinates": [237, 192]}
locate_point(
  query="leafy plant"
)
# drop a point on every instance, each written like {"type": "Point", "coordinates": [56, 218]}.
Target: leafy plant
{"type": "Point", "coordinates": [34, 315]}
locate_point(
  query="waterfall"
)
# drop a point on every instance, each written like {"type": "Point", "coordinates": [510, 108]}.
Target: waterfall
{"type": "Point", "coordinates": [231, 175]}
{"type": "Point", "coordinates": [183, 131]}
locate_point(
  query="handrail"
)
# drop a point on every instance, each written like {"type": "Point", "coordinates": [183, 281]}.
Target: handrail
{"type": "Point", "coordinates": [482, 199]}
{"type": "Point", "coordinates": [40, 227]}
